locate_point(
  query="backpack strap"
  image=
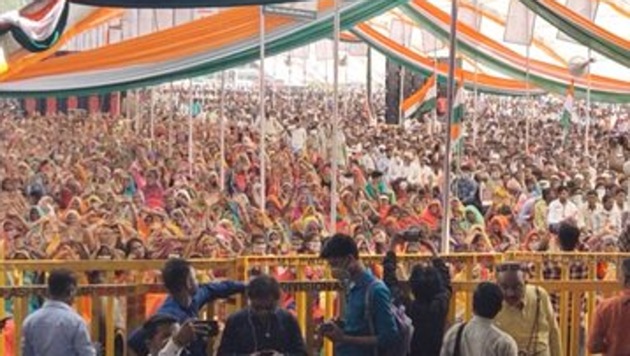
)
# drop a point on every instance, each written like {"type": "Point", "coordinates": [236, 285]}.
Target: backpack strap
{"type": "Point", "coordinates": [458, 340]}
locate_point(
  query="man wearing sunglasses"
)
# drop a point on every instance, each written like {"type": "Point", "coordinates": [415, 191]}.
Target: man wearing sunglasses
{"type": "Point", "coordinates": [527, 314]}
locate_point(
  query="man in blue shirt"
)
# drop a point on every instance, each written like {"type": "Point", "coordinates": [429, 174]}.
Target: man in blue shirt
{"type": "Point", "coordinates": [56, 329]}
{"type": "Point", "coordinates": [352, 336]}
{"type": "Point", "coordinates": [184, 301]}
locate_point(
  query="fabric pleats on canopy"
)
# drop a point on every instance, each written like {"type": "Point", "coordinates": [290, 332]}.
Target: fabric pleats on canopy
{"type": "Point", "coordinates": [416, 61]}
{"type": "Point", "coordinates": [207, 45]}
{"type": "Point", "coordinates": [582, 30]}
{"type": "Point", "coordinates": [550, 77]}
{"type": "Point", "coordinates": [37, 26]}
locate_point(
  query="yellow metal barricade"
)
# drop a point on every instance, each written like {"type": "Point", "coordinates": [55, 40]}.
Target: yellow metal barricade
{"type": "Point", "coordinates": [114, 294]}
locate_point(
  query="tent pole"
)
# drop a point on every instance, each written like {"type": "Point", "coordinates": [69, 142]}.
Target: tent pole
{"type": "Point", "coordinates": [222, 118]}
{"type": "Point", "coordinates": [190, 128]}
{"type": "Point", "coordinates": [434, 118]}
{"type": "Point", "coordinates": [138, 112]}
{"type": "Point", "coordinates": [446, 221]}
{"type": "Point", "coordinates": [588, 106]}
{"type": "Point", "coordinates": [263, 124]}
{"type": "Point", "coordinates": [401, 95]}
{"type": "Point", "coordinates": [335, 122]}
{"type": "Point", "coordinates": [170, 122]}
{"type": "Point", "coordinates": [152, 116]}
{"type": "Point", "coordinates": [527, 113]}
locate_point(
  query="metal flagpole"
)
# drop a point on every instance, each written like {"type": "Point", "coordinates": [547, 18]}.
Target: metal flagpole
{"type": "Point", "coordinates": [335, 122]}
{"type": "Point", "coordinates": [588, 105]}
{"type": "Point", "coordinates": [263, 124]}
{"type": "Point", "coordinates": [222, 118]}
{"type": "Point", "coordinates": [190, 128]}
{"type": "Point", "coordinates": [446, 216]}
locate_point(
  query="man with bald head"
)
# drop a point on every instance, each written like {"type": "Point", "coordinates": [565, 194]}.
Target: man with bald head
{"type": "Point", "coordinates": [527, 314]}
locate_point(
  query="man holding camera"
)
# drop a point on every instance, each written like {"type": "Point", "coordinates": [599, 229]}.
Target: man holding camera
{"type": "Point", "coordinates": [164, 336]}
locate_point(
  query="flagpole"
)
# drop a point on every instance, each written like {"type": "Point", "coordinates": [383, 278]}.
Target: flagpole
{"type": "Point", "coordinates": [446, 220]}
{"type": "Point", "coordinates": [263, 138]}
{"type": "Point", "coordinates": [222, 130]}
{"type": "Point", "coordinates": [335, 122]}
{"type": "Point", "coordinates": [588, 105]}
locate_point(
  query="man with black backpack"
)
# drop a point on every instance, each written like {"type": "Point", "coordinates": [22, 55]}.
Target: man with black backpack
{"type": "Point", "coordinates": [371, 325]}
{"type": "Point", "coordinates": [479, 337]}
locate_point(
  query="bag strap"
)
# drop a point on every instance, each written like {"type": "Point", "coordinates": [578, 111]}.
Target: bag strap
{"type": "Point", "coordinates": [458, 340]}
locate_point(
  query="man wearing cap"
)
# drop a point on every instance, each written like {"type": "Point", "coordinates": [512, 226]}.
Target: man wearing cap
{"type": "Point", "coordinates": [527, 314]}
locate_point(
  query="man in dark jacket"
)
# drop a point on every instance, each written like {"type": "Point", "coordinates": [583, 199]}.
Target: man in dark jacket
{"type": "Point", "coordinates": [262, 328]}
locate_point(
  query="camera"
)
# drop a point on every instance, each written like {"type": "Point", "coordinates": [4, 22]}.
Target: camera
{"type": "Point", "coordinates": [207, 328]}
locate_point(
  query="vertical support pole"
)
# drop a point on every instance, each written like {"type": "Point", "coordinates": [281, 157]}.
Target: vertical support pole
{"type": "Point", "coordinates": [446, 221]}
{"type": "Point", "coordinates": [190, 129]}
{"type": "Point", "coordinates": [263, 124]}
{"type": "Point", "coordinates": [222, 133]}
{"type": "Point", "coordinates": [335, 122]}
{"type": "Point", "coordinates": [588, 107]}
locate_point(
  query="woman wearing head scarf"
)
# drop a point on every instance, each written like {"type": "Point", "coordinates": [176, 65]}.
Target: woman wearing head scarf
{"type": "Point", "coordinates": [432, 215]}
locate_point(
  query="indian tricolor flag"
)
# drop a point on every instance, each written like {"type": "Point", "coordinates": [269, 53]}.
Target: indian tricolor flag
{"type": "Point", "coordinates": [567, 110]}
{"type": "Point", "coordinates": [421, 101]}
{"type": "Point", "coordinates": [458, 112]}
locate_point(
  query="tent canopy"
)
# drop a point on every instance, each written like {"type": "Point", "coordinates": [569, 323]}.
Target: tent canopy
{"type": "Point", "coordinates": [113, 49]}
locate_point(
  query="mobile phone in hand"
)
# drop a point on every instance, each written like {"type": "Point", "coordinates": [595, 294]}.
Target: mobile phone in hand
{"type": "Point", "coordinates": [206, 328]}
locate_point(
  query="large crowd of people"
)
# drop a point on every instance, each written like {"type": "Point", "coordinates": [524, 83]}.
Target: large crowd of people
{"type": "Point", "coordinates": [152, 184]}
{"type": "Point", "coordinates": [81, 186]}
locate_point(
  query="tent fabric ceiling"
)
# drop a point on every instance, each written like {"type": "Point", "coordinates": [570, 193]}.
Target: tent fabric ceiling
{"type": "Point", "coordinates": [583, 31]}
{"type": "Point", "coordinates": [166, 56]}
{"type": "Point", "coordinates": [497, 56]}
{"type": "Point", "coordinates": [481, 47]}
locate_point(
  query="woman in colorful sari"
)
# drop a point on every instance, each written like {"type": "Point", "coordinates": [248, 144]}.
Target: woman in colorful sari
{"type": "Point", "coordinates": [498, 233]}
{"type": "Point", "coordinates": [432, 215]}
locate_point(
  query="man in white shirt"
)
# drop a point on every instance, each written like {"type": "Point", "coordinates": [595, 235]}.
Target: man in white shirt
{"type": "Point", "coordinates": [561, 209]}
{"type": "Point", "coordinates": [588, 211]}
{"type": "Point", "coordinates": [298, 137]}
{"type": "Point", "coordinates": [480, 337]}
{"type": "Point", "coordinates": [607, 221]}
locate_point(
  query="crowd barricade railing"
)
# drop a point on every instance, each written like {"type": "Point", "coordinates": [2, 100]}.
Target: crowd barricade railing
{"type": "Point", "coordinates": [310, 285]}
